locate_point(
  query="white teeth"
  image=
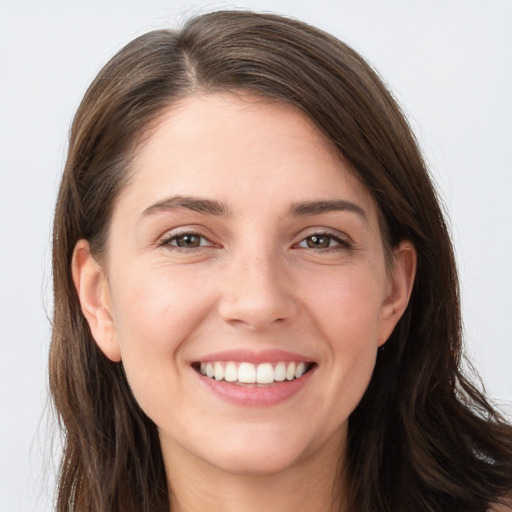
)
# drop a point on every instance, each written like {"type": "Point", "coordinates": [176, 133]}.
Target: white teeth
{"type": "Point", "coordinates": [299, 371]}
{"type": "Point", "coordinates": [231, 372]}
{"type": "Point", "coordinates": [290, 371]}
{"type": "Point", "coordinates": [219, 371]}
{"type": "Point", "coordinates": [265, 373]}
{"type": "Point", "coordinates": [248, 373]}
{"type": "Point", "coordinates": [280, 372]}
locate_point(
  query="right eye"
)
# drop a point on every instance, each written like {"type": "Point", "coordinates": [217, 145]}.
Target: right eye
{"type": "Point", "coordinates": [187, 240]}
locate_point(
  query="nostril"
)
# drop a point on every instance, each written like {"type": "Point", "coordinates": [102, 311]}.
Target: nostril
{"type": "Point", "coordinates": [256, 300]}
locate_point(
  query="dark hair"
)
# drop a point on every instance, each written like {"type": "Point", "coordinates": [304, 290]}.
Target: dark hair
{"type": "Point", "coordinates": [423, 437]}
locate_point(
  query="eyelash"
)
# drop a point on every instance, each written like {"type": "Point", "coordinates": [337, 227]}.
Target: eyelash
{"type": "Point", "coordinates": [340, 242]}
{"type": "Point", "coordinates": [167, 241]}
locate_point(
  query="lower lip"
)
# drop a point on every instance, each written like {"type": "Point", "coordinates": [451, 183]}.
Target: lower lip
{"type": "Point", "coordinates": [253, 396]}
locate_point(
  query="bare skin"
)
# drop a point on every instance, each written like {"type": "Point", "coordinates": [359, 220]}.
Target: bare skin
{"type": "Point", "coordinates": [243, 231]}
{"type": "Point", "coordinates": [287, 491]}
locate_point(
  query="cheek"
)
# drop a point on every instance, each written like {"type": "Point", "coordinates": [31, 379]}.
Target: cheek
{"type": "Point", "coordinates": [346, 311]}
{"type": "Point", "coordinates": [156, 307]}
{"type": "Point", "coordinates": [347, 305]}
{"type": "Point", "coordinates": [156, 310]}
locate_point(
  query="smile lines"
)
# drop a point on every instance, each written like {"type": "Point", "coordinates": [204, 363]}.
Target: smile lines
{"type": "Point", "coordinates": [248, 373]}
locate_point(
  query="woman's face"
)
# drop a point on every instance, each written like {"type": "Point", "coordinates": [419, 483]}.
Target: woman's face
{"type": "Point", "coordinates": [244, 248]}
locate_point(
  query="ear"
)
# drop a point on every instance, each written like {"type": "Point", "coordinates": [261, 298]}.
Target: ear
{"type": "Point", "coordinates": [399, 290]}
{"type": "Point", "coordinates": [94, 294]}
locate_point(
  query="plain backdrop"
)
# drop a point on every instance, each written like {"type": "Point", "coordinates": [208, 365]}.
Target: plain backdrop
{"type": "Point", "coordinates": [448, 62]}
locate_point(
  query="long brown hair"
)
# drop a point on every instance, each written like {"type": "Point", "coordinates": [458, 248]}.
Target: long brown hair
{"type": "Point", "coordinates": [423, 437]}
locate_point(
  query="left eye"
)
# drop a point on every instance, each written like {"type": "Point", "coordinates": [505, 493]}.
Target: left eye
{"type": "Point", "coordinates": [321, 241]}
{"type": "Point", "coordinates": [186, 241]}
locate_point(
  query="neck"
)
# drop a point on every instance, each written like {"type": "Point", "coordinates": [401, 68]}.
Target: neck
{"type": "Point", "coordinates": [314, 483]}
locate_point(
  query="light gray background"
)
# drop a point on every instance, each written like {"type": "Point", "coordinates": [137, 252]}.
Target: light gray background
{"type": "Point", "coordinates": [447, 61]}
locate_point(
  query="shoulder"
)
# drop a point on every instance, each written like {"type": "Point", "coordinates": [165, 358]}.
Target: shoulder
{"type": "Point", "coordinates": [504, 505]}
{"type": "Point", "coordinates": [501, 507]}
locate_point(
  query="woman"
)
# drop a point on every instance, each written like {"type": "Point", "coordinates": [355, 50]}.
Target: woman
{"type": "Point", "coordinates": [256, 301]}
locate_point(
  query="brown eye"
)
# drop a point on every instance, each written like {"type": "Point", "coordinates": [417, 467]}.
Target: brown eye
{"type": "Point", "coordinates": [321, 241]}
{"type": "Point", "coordinates": [187, 241]}
{"type": "Point", "coordinates": [318, 241]}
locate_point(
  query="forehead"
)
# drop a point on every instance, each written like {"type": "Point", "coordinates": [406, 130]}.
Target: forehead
{"type": "Point", "coordinates": [240, 148]}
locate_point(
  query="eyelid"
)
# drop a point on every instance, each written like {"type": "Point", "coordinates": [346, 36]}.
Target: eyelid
{"type": "Point", "coordinates": [343, 240]}
{"type": "Point", "coordinates": [166, 239]}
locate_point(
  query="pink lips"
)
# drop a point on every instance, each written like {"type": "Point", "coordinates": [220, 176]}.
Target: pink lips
{"type": "Point", "coordinates": [264, 356]}
{"type": "Point", "coordinates": [254, 395]}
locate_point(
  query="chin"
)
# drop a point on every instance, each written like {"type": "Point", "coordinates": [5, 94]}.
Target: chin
{"type": "Point", "coordinates": [261, 453]}
{"type": "Point", "coordinates": [262, 462]}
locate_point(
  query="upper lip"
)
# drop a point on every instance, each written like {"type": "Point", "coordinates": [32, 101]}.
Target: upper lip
{"type": "Point", "coordinates": [255, 357]}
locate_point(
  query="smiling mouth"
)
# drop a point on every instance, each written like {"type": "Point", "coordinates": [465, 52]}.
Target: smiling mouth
{"type": "Point", "coordinates": [249, 374]}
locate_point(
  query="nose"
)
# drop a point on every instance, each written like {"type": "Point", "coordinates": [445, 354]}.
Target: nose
{"type": "Point", "coordinates": [257, 293]}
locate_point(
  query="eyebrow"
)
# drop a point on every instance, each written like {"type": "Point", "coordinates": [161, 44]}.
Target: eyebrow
{"type": "Point", "coordinates": [213, 207]}
{"type": "Point", "coordinates": [197, 204]}
{"type": "Point", "coordinates": [325, 206]}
